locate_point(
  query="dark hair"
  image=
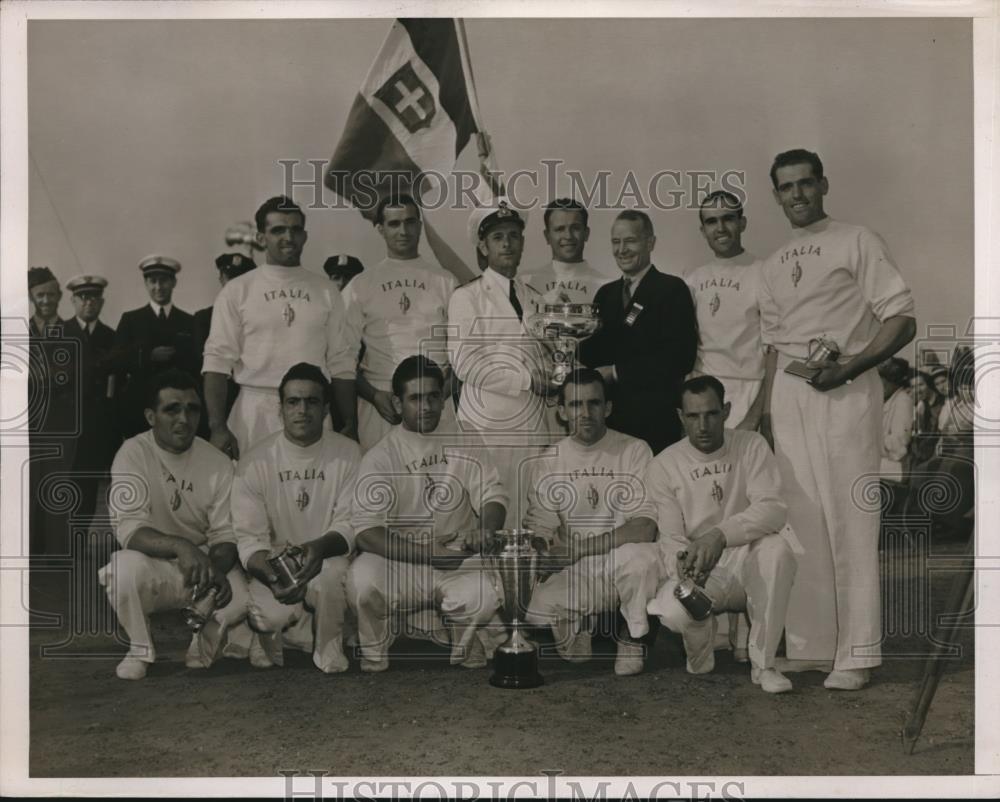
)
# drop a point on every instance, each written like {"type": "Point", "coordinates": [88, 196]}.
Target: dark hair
{"type": "Point", "coordinates": [634, 215]}
{"type": "Point", "coordinates": [702, 384]}
{"type": "Point", "coordinates": [582, 376]}
{"type": "Point", "coordinates": [895, 371]}
{"type": "Point", "coordinates": [172, 379]}
{"type": "Point", "coordinates": [279, 203]}
{"type": "Point", "coordinates": [797, 156]}
{"type": "Point", "coordinates": [565, 205]}
{"type": "Point", "coordinates": [415, 367]}
{"type": "Point", "coordinates": [729, 200]}
{"type": "Point", "coordinates": [303, 371]}
{"type": "Point", "coordinates": [400, 199]}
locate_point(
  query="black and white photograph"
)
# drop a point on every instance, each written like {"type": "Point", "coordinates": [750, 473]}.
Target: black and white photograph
{"type": "Point", "coordinates": [481, 400]}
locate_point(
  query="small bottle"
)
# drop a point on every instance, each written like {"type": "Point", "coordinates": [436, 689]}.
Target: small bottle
{"type": "Point", "coordinates": [197, 612]}
{"type": "Point", "coordinates": [695, 600]}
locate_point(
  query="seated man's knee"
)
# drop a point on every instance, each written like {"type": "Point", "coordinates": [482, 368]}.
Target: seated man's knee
{"type": "Point", "coordinates": [332, 576]}
{"type": "Point", "coordinates": [366, 579]}
{"type": "Point", "coordinates": [473, 598]}
{"type": "Point", "coordinates": [671, 612]}
{"type": "Point", "coordinates": [266, 614]}
{"type": "Point", "coordinates": [236, 610]}
{"type": "Point", "coordinates": [774, 555]}
{"type": "Point", "coordinates": [127, 565]}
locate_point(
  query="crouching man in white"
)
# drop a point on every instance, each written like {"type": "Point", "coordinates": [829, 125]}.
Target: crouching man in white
{"type": "Point", "coordinates": [170, 500]}
{"type": "Point", "coordinates": [586, 500]}
{"type": "Point", "coordinates": [718, 500]}
{"type": "Point", "coordinates": [415, 511]}
{"type": "Point", "coordinates": [295, 488]}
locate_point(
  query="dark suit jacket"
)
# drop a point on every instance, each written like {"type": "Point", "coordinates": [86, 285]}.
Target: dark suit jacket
{"type": "Point", "coordinates": [99, 437]}
{"type": "Point", "coordinates": [652, 355]}
{"type": "Point", "coordinates": [139, 332]}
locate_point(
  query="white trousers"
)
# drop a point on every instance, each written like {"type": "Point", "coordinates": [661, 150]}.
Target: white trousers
{"type": "Point", "coordinates": [827, 447]}
{"type": "Point", "coordinates": [379, 590]}
{"type": "Point", "coordinates": [139, 585]}
{"type": "Point", "coordinates": [756, 577]}
{"type": "Point", "coordinates": [625, 578]}
{"type": "Point", "coordinates": [315, 625]}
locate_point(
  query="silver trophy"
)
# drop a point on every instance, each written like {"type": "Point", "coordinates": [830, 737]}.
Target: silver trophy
{"type": "Point", "coordinates": [821, 353]}
{"type": "Point", "coordinates": [561, 327]}
{"type": "Point", "coordinates": [515, 562]}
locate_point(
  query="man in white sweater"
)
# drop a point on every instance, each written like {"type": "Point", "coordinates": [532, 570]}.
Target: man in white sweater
{"type": "Point", "coordinates": [266, 320]}
{"type": "Point", "coordinates": [294, 488]}
{"type": "Point", "coordinates": [398, 308]}
{"type": "Point", "coordinates": [169, 498]}
{"type": "Point", "coordinates": [835, 281]}
{"type": "Point", "coordinates": [719, 509]}
{"type": "Point", "coordinates": [567, 278]}
{"type": "Point", "coordinates": [587, 502]}
{"type": "Point", "coordinates": [423, 502]}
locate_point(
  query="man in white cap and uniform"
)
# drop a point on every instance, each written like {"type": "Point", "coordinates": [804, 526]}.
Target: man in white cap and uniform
{"type": "Point", "coordinates": [153, 338]}
{"type": "Point", "coordinates": [836, 282]}
{"type": "Point", "coordinates": [264, 322]}
{"type": "Point", "coordinates": [504, 371]}
{"type": "Point", "coordinates": [397, 308]}
{"type": "Point", "coordinates": [295, 488]}
{"type": "Point", "coordinates": [719, 510]}
{"type": "Point", "coordinates": [98, 439]}
{"type": "Point", "coordinates": [421, 503]}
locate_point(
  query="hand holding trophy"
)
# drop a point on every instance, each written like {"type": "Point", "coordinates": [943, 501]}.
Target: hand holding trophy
{"type": "Point", "coordinates": [561, 327]}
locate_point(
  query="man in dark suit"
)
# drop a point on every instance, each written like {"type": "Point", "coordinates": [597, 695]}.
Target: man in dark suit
{"type": "Point", "coordinates": [649, 337]}
{"type": "Point", "coordinates": [151, 339]}
{"type": "Point", "coordinates": [229, 265]}
{"type": "Point", "coordinates": [52, 414]}
{"type": "Point", "coordinates": [98, 439]}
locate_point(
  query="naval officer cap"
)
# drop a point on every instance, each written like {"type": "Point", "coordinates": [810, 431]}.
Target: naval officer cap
{"type": "Point", "coordinates": [159, 264]}
{"type": "Point", "coordinates": [485, 218]}
{"type": "Point", "coordinates": [232, 265]}
{"type": "Point", "coordinates": [343, 265]}
{"type": "Point", "coordinates": [86, 283]}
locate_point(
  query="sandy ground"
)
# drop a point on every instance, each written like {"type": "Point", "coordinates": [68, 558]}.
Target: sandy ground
{"type": "Point", "coordinates": [423, 717]}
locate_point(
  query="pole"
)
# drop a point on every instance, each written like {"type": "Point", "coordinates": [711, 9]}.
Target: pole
{"type": "Point", "coordinates": [487, 156]}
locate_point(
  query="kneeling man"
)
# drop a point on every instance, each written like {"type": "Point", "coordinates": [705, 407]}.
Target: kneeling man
{"type": "Point", "coordinates": [586, 501]}
{"type": "Point", "coordinates": [719, 509]}
{"type": "Point", "coordinates": [170, 501]}
{"type": "Point", "coordinates": [294, 488]}
{"type": "Point", "coordinates": [421, 505]}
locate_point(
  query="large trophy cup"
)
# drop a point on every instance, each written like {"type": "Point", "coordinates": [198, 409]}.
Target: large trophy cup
{"type": "Point", "coordinates": [561, 327]}
{"type": "Point", "coordinates": [512, 557]}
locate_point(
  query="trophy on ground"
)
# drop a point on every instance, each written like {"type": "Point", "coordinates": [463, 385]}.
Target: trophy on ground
{"type": "Point", "coordinates": [561, 327]}
{"type": "Point", "coordinates": [515, 562]}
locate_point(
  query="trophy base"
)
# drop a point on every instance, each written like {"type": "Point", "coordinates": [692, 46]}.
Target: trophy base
{"type": "Point", "coordinates": [515, 669]}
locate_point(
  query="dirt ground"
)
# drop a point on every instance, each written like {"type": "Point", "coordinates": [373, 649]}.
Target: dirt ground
{"type": "Point", "coordinates": [423, 717]}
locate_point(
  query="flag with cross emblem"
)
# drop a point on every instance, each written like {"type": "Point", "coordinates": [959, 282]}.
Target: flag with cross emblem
{"type": "Point", "coordinates": [412, 114]}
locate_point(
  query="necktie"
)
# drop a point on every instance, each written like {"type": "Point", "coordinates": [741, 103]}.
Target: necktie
{"type": "Point", "coordinates": [626, 292]}
{"type": "Point", "coordinates": [515, 302]}
{"type": "Point", "coordinates": [162, 315]}
{"type": "Point", "coordinates": [86, 334]}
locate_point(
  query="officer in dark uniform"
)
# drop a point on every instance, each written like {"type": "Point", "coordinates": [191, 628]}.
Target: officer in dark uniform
{"type": "Point", "coordinates": [99, 438]}
{"type": "Point", "coordinates": [52, 414]}
{"type": "Point", "coordinates": [230, 265]}
{"type": "Point", "coordinates": [342, 268]}
{"type": "Point", "coordinates": [151, 339]}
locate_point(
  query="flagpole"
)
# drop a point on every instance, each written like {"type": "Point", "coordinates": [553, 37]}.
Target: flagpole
{"type": "Point", "coordinates": [485, 145]}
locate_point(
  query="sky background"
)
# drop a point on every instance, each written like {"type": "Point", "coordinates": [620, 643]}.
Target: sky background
{"type": "Point", "coordinates": [155, 136]}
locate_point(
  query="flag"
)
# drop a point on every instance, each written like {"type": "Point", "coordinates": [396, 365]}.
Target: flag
{"type": "Point", "coordinates": [413, 113]}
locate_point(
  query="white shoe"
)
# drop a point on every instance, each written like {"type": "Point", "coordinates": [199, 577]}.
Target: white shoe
{"type": "Point", "coordinates": [258, 656]}
{"type": "Point", "coordinates": [847, 679]}
{"type": "Point", "coordinates": [334, 663]}
{"type": "Point", "coordinates": [131, 668]}
{"type": "Point", "coordinates": [475, 654]}
{"type": "Point", "coordinates": [573, 647]}
{"type": "Point", "coordinates": [193, 657]}
{"type": "Point", "coordinates": [374, 666]}
{"type": "Point", "coordinates": [770, 680]}
{"type": "Point", "coordinates": [630, 658]}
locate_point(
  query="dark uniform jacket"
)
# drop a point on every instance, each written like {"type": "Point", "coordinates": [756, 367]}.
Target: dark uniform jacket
{"type": "Point", "coordinates": [652, 344]}
{"type": "Point", "coordinates": [99, 437]}
{"type": "Point", "coordinates": [139, 332]}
